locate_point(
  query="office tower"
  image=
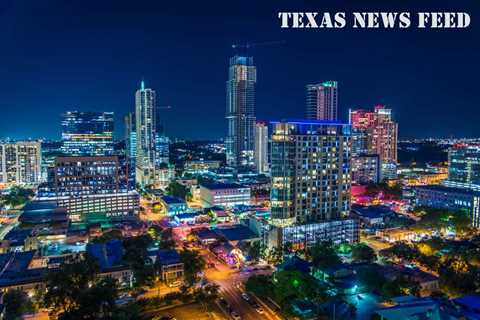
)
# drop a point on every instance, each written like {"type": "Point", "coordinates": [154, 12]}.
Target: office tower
{"type": "Point", "coordinates": [464, 167]}
{"type": "Point", "coordinates": [322, 101]}
{"type": "Point", "coordinates": [87, 133]}
{"type": "Point", "coordinates": [20, 162]}
{"type": "Point", "coordinates": [162, 144]}
{"type": "Point", "coordinates": [145, 127]}
{"type": "Point", "coordinates": [130, 136]}
{"type": "Point", "coordinates": [375, 133]}
{"type": "Point", "coordinates": [261, 147]}
{"type": "Point", "coordinates": [130, 144]}
{"type": "Point", "coordinates": [92, 185]}
{"type": "Point", "coordinates": [240, 140]}
{"type": "Point", "coordinates": [310, 168]}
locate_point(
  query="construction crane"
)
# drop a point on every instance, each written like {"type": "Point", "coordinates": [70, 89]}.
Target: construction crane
{"type": "Point", "coordinates": [257, 44]}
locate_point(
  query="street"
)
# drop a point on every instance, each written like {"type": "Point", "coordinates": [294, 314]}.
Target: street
{"type": "Point", "coordinates": [231, 287]}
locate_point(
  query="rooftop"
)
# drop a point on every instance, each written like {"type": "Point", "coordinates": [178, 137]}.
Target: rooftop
{"type": "Point", "coordinates": [236, 233]}
{"type": "Point", "coordinates": [172, 200]}
{"type": "Point", "coordinates": [446, 189]}
{"type": "Point", "coordinates": [108, 254]}
{"type": "Point", "coordinates": [220, 185]}
{"type": "Point", "coordinates": [168, 257]}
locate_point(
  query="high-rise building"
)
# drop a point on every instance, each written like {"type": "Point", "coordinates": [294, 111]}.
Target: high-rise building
{"type": "Point", "coordinates": [162, 144]}
{"type": "Point", "coordinates": [20, 162]}
{"type": "Point", "coordinates": [92, 185]}
{"type": "Point", "coordinates": [146, 133]}
{"type": "Point", "coordinates": [464, 167]}
{"type": "Point", "coordinates": [130, 143]}
{"type": "Point", "coordinates": [87, 133]}
{"type": "Point", "coordinates": [310, 169]}
{"type": "Point", "coordinates": [130, 136]}
{"type": "Point", "coordinates": [322, 101]}
{"type": "Point", "coordinates": [375, 133]}
{"type": "Point", "coordinates": [365, 168]}
{"type": "Point", "coordinates": [240, 140]}
{"type": "Point", "coordinates": [261, 147]}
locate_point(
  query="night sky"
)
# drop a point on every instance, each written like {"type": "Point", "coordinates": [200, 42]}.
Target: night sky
{"type": "Point", "coordinates": [91, 55]}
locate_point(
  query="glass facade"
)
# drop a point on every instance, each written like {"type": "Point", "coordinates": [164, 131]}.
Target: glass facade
{"type": "Point", "coordinates": [87, 133]}
{"type": "Point", "coordinates": [464, 167]}
{"type": "Point", "coordinates": [240, 115]}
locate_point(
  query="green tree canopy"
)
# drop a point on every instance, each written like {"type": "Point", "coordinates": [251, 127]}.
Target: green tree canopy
{"type": "Point", "coordinates": [363, 253]}
{"type": "Point", "coordinates": [175, 189]}
{"type": "Point", "coordinates": [324, 255]}
{"type": "Point", "coordinates": [76, 292]}
{"type": "Point", "coordinates": [136, 256]}
{"type": "Point", "coordinates": [16, 304]}
{"type": "Point", "coordinates": [193, 263]}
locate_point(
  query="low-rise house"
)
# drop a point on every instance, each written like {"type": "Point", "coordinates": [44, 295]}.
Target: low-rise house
{"type": "Point", "coordinates": [109, 256]}
{"type": "Point", "coordinates": [19, 240]}
{"type": "Point", "coordinates": [427, 283]}
{"type": "Point", "coordinates": [371, 216]}
{"type": "Point", "coordinates": [411, 307]}
{"type": "Point", "coordinates": [171, 267]}
{"type": "Point", "coordinates": [173, 205]}
{"type": "Point", "coordinates": [396, 234]}
{"type": "Point", "coordinates": [206, 236]}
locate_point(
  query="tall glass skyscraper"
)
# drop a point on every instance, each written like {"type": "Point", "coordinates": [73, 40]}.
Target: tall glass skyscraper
{"type": "Point", "coordinates": [464, 167]}
{"type": "Point", "coordinates": [145, 137]}
{"type": "Point", "coordinates": [261, 147]}
{"type": "Point", "coordinates": [240, 140]}
{"type": "Point", "coordinates": [322, 101]}
{"type": "Point", "coordinates": [87, 133]}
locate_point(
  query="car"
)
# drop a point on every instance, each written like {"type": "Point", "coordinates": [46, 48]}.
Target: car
{"type": "Point", "coordinates": [175, 284]}
{"type": "Point", "coordinates": [166, 317]}
{"type": "Point", "coordinates": [235, 315]}
{"type": "Point", "coordinates": [259, 309]}
{"type": "Point", "coordinates": [245, 296]}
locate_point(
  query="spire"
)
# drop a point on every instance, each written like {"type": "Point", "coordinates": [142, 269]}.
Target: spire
{"type": "Point", "coordinates": [142, 85]}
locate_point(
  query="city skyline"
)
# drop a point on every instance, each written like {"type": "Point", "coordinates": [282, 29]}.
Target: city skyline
{"type": "Point", "coordinates": [411, 76]}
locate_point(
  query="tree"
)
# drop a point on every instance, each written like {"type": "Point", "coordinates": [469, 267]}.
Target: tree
{"type": "Point", "coordinates": [76, 292]}
{"type": "Point", "coordinates": [363, 253]}
{"type": "Point", "coordinates": [274, 255]}
{"type": "Point", "coordinates": [255, 251]}
{"type": "Point", "coordinates": [16, 304]}
{"type": "Point", "coordinates": [114, 234]}
{"type": "Point", "coordinates": [291, 285]}
{"type": "Point", "coordinates": [371, 277]}
{"type": "Point", "coordinates": [193, 263]}
{"type": "Point", "coordinates": [260, 285]}
{"type": "Point", "coordinates": [136, 257]}
{"type": "Point", "coordinates": [175, 189]}
{"type": "Point", "coordinates": [324, 255]}
{"type": "Point", "coordinates": [17, 196]}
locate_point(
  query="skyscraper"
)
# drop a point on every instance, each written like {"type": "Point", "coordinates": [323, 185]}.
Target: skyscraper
{"type": "Point", "coordinates": [145, 127]}
{"type": "Point", "coordinates": [464, 167]}
{"type": "Point", "coordinates": [322, 101]}
{"type": "Point", "coordinates": [375, 133]}
{"type": "Point", "coordinates": [130, 136]}
{"type": "Point", "coordinates": [261, 147]}
{"type": "Point", "coordinates": [87, 133]}
{"type": "Point", "coordinates": [310, 168]}
{"type": "Point", "coordinates": [311, 186]}
{"type": "Point", "coordinates": [240, 140]}
{"type": "Point", "coordinates": [20, 162]}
